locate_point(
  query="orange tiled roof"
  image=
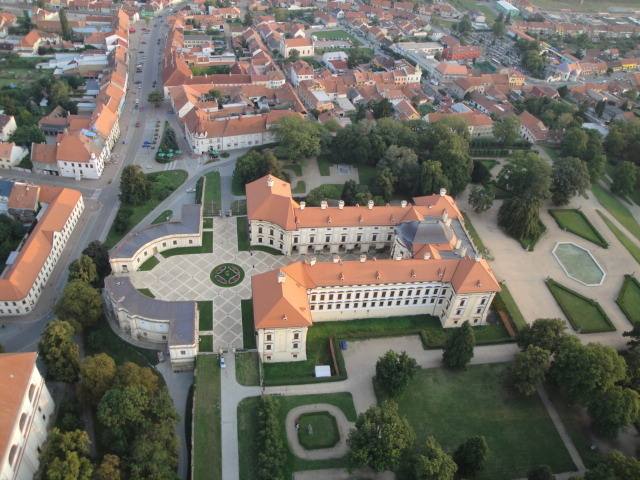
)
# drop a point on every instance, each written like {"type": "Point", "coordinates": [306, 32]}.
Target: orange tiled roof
{"type": "Point", "coordinates": [24, 196]}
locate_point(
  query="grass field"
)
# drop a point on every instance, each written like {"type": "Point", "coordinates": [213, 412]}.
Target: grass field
{"type": "Point", "coordinates": [248, 423]}
{"type": "Point", "coordinates": [584, 314]}
{"type": "Point", "coordinates": [577, 223]}
{"type": "Point", "coordinates": [318, 430]}
{"type": "Point", "coordinates": [163, 217]}
{"type": "Point", "coordinates": [101, 339]}
{"type": "Point", "coordinates": [300, 188]}
{"type": "Point", "coordinates": [168, 181]}
{"type": "Point", "coordinates": [323, 165]}
{"type": "Point", "coordinates": [335, 35]}
{"type": "Point", "coordinates": [206, 247]}
{"type": "Point", "coordinates": [511, 307]}
{"type": "Point", "coordinates": [367, 174]}
{"type": "Point", "coordinates": [248, 331]}
{"type": "Point", "coordinates": [622, 237]}
{"type": "Point", "coordinates": [616, 208]}
{"type": "Point", "coordinates": [583, 5]}
{"type": "Point", "coordinates": [471, 5]}
{"type": "Point", "coordinates": [148, 264]}
{"type": "Point", "coordinates": [205, 315]}
{"type": "Point", "coordinates": [207, 454]}
{"type": "Point", "coordinates": [207, 222]}
{"type": "Point", "coordinates": [206, 343]}
{"type": "Point", "coordinates": [453, 406]}
{"type": "Point", "coordinates": [212, 200]}
{"type": "Point", "coordinates": [629, 299]}
{"type": "Point", "coordinates": [247, 369]}
{"type": "Point", "coordinates": [23, 71]}
{"type": "Point", "coordinates": [242, 225]}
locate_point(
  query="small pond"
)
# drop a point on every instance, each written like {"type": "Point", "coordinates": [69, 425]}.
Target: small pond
{"type": "Point", "coordinates": [578, 263]}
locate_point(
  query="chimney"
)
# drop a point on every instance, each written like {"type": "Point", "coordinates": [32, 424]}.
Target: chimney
{"type": "Point", "coordinates": [363, 258]}
{"type": "Point", "coordinates": [312, 261]}
{"type": "Point", "coordinates": [340, 204]}
{"type": "Point", "coordinates": [284, 317]}
{"type": "Point", "coordinates": [443, 192]}
{"type": "Point", "coordinates": [458, 243]}
{"type": "Point", "coordinates": [370, 204]}
{"type": "Point", "coordinates": [463, 252]}
{"type": "Point", "coordinates": [398, 256]}
{"type": "Point", "coordinates": [478, 257]}
{"type": "Point", "coordinates": [281, 277]}
{"type": "Point", "coordinates": [323, 204]}
{"type": "Point", "coordinates": [269, 181]}
{"type": "Point", "coordinates": [403, 203]}
{"type": "Point", "coordinates": [302, 205]}
{"type": "Point", "coordinates": [336, 258]}
{"type": "Point", "coordinates": [427, 256]}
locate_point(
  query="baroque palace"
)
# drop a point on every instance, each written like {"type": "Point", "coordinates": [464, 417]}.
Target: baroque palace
{"type": "Point", "coordinates": [434, 267]}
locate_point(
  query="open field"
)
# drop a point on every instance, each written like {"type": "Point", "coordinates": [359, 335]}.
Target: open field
{"type": "Point", "coordinates": [626, 242]}
{"type": "Point", "coordinates": [517, 429]}
{"type": "Point", "coordinates": [616, 208]}
{"type": "Point", "coordinates": [584, 5]}
{"type": "Point", "coordinates": [207, 453]}
{"type": "Point", "coordinates": [576, 222]}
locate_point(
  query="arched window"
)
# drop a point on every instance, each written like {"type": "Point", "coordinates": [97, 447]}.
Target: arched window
{"type": "Point", "coordinates": [12, 454]}
{"type": "Point", "coordinates": [23, 420]}
{"type": "Point", "coordinates": [32, 390]}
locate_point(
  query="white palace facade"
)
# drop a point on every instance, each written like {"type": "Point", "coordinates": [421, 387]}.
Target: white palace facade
{"type": "Point", "coordinates": [433, 270]}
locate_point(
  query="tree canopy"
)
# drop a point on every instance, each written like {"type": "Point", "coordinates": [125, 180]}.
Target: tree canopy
{"type": "Point", "coordinates": [134, 186]}
{"type": "Point", "coordinates": [80, 305]}
{"type": "Point", "coordinates": [433, 463]}
{"type": "Point", "coordinates": [394, 371]}
{"type": "Point", "coordinates": [59, 352]}
{"type": "Point", "coordinates": [255, 164]}
{"type": "Point", "coordinates": [570, 178]}
{"type": "Point", "coordinates": [471, 456]}
{"type": "Point", "coordinates": [83, 269]}
{"type": "Point", "coordinates": [529, 369]}
{"type": "Point", "coordinates": [298, 138]}
{"type": "Point", "coordinates": [458, 348]}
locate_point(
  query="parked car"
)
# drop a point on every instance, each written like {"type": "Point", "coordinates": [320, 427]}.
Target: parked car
{"type": "Point", "coordinates": [222, 362]}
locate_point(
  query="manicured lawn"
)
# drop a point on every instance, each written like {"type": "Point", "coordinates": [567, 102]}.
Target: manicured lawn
{"type": "Point", "coordinates": [248, 331]}
{"type": "Point", "coordinates": [583, 5]}
{"type": "Point", "coordinates": [453, 406]}
{"type": "Point", "coordinates": [247, 369]}
{"type": "Point", "coordinates": [294, 167]}
{"type": "Point", "coordinates": [471, 5]}
{"type": "Point", "coordinates": [584, 314]}
{"type": "Point", "coordinates": [529, 244]}
{"type": "Point", "coordinates": [227, 275]}
{"type": "Point", "coordinates": [212, 197]}
{"type": "Point", "coordinates": [300, 188]}
{"type": "Point", "coordinates": [236, 187]}
{"type": "Point", "coordinates": [367, 174]}
{"type": "Point", "coordinates": [335, 35]}
{"type": "Point", "coordinates": [160, 182]}
{"type": "Point", "coordinates": [329, 191]}
{"type": "Point", "coordinates": [205, 315]}
{"type": "Point", "coordinates": [206, 343]}
{"type": "Point", "coordinates": [505, 298]}
{"type": "Point", "coordinates": [207, 222]}
{"type": "Point", "coordinates": [242, 225]}
{"type": "Point", "coordinates": [432, 335]}
{"type": "Point", "coordinates": [475, 237]}
{"type": "Point", "coordinates": [206, 247]}
{"type": "Point", "coordinates": [248, 423]}
{"type": "Point", "coordinates": [101, 339]}
{"type": "Point", "coordinates": [149, 264]}
{"type": "Point", "coordinates": [622, 237]}
{"type": "Point", "coordinates": [323, 166]}
{"type": "Point", "coordinates": [577, 223]}
{"type": "Point", "coordinates": [163, 217]}
{"type": "Point", "coordinates": [264, 248]}
{"type": "Point", "coordinates": [146, 292]}
{"type": "Point", "coordinates": [616, 208]}
{"type": "Point", "coordinates": [629, 299]}
{"type": "Point", "coordinates": [207, 453]}
{"type": "Point", "coordinates": [239, 207]}
{"type": "Point", "coordinates": [318, 430]}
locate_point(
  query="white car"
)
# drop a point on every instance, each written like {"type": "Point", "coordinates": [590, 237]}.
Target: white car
{"type": "Point", "coordinates": [222, 363]}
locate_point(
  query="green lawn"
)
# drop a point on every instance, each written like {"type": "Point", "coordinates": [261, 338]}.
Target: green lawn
{"type": "Point", "coordinates": [629, 299]}
{"type": "Point", "coordinates": [318, 430]}
{"type": "Point", "coordinates": [205, 313]}
{"type": "Point", "coordinates": [583, 5]}
{"type": "Point", "coordinates": [576, 222]}
{"type": "Point", "coordinates": [148, 264]}
{"type": "Point", "coordinates": [504, 298]}
{"type": "Point", "coordinates": [212, 201]}
{"type": "Point", "coordinates": [616, 208]}
{"type": "Point", "coordinates": [247, 369]}
{"type": "Point", "coordinates": [584, 314]}
{"type": "Point", "coordinates": [206, 247]}
{"type": "Point", "coordinates": [471, 5]}
{"type": "Point", "coordinates": [163, 217]}
{"type": "Point", "coordinates": [236, 187]}
{"type": "Point", "coordinates": [207, 222]}
{"type": "Point", "coordinates": [248, 423]}
{"type": "Point", "coordinates": [264, 248]}
{"type": "Point", "coordinates": [239, 207]}
{"type": "Point", "coordinates": [336, 35]}
{"type": "Point", "coordinates": [432, 335]}
{"type": "Point", "coordinates": [207, 454]}
{"type": "Point", "coordinates": [475, 237]}
{"type": "Point", "coordinates": [164, 182]}
{"type": "Point", "coordinates": [300, 188]}
{"type": "Point", "coordinates": [242, 225]}
{"type": "Point", "coordinates": [101, 339]}
{"type": "Point", "coordinates": [294, 167]}
{"type": "Point", "coordinates": [323, 166]}
{"type": "Point", "coordinates": [622, 237]}
{"type": "Point", "coordinates": [367, 174]}
{"type": "Point", "coordinates": [248, 330]}
{"type": "Point", "coordinates": [206, 343]}
{"type": "Point", "coordinates": [146, 292]}
{"type": "Point", "coordinates": [488, 163]}
{"type": "Point", "coordinates": [453, 406]}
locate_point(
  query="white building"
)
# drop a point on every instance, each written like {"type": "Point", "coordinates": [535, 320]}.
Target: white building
{"type": "Point", "coordinates": [11, 154]}
{"type": "Point", "coordinates": [25, 410]}
{"type": "Point", "coordinates": [7, 127]}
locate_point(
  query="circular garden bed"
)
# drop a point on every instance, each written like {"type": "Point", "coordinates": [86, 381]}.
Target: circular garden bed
{"type": "Point", "coordinates": [227, 275]}
{"type": "Point", "coordinates": [317, 430]}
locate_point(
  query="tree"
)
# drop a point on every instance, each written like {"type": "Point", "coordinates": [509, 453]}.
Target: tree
{"type": "Point", "coordinates": [80, 305]}
{"type": "Point", "coordinates": [381, 108]}
{"type": "Point", "coordinates": [272, 456]}
{"type": "Point", "coordinates": [97, 252]}
{"type": "Point", "coordinates": [623, 141]}
{"type": "Point", "coordinates": [294, 55]}
{"type": "Point", "coordinates": [433, 463]}
{"type": "Point", "coordinates": [624, 178]}
{"type": "Point", "coordinates": [97, 374]}
{"type": "Point", "coordinates": [506, 129]}
{"type": "Point", "coordinates": [583, 371]}
{"type": "Point", "coordinates": [11, 233]}
{"type": "Point", "coordinates": [25, 135]}
{"type": "Point", "coordinates": [130, 375]}
{"type": "Point", "coordinates": [481, 199]}
{"type": "Point", "coordinates": [248, 19]}
{"type": "Point", "coordinates": [380, 438]}
{"type": "Point", "coordinates": [384, 183]}
{"type": "Point", "coordinates": [432, 178]}
{"type": "Point", "coordinates": [574, 143]}
{"type": "Point", "coordinates": [59, 352]}
{"type": "Point", "coordinates": [83, 269]}
{"type": "Point", "coordinates": [394, 371]}
{"type": "Point", "coordinates": [155, 98]}
{"type": "Point", "coordinates": [614, 409]}
{"type": "Point", "coordinates": [403, 164]}
{"type": "Point", "coordinates": [546, 333]}
{"type": "Point", "coordinates": [529, 369]}
{"type": "Point", "coordinates": [134, 186]}
{"type": "Point", "coordinates": [255, 164]}
{"type": "Point", "coordinates": [614, 466]}
{"type": "Point", "coordinates": [109, 468]}
{"type": "Point", "coordinates": [394, 132]}
{"type": "Point", "coordinates": [458, 348]}
{"type": "Point", "coordinates": [298, 138]}
{"type": "Point", "coordinates": [358, 56]}
{"type": "Point", "coordinates": [471, 456]}
{"type": "Point", "coordinates": [599, 109]}
{"type": "Point", "coordinates": [464, 25]}
{"type": "Point", "coordinates": [65, 456]}
{"type": "Point", "coordinates": [349, 192]}
{"type": "Point", "coordinates": [541, 472]}
{"type": "Point", "coordinates": [121, 412]}
{"type": "Point", "coordinates": [570, 178]}
{"type": "Point", "coordinates": [498, 27]}
{"type": "Point", "coordinates": [67, 33]}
